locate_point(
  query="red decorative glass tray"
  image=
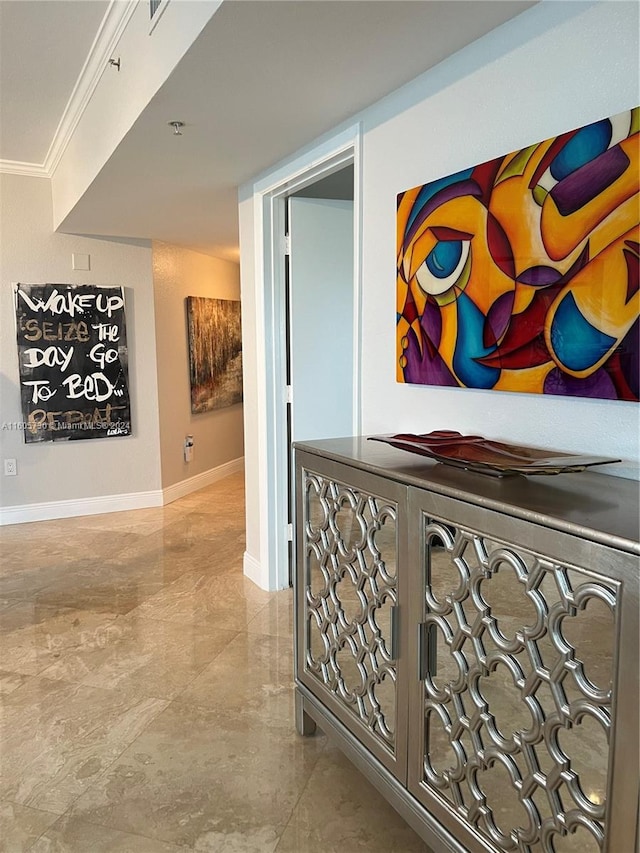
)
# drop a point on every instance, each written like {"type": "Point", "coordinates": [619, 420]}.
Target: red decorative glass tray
{"type": "Point", "coordinates": [486, 456]}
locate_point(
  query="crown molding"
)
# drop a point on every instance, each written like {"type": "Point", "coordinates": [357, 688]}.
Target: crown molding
{"type": "Point", "coordinates": [113, 24]}
{"type": "Point", "coordinates": [16, 167]}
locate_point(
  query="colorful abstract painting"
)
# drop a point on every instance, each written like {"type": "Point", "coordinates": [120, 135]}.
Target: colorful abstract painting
{"type": "Point", "coordinates": [215, 353]}
{"type": "Point", "coordinates": [522, 273]}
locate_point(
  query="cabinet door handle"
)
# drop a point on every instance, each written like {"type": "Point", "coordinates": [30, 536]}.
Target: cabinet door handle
{"type": "Point", "coordinates": [427, 650]}
{"type": "Point", "coordinates": [394, 632]}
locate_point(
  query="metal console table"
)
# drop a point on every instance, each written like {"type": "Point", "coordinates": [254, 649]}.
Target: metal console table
{"type": "Point", "coordinates": [471, 643]}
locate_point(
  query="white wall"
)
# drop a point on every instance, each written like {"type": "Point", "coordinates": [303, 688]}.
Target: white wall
{"type": "Point", "coordinates": [320, 298]}
{"type": "Point", "coordinates": [218, 439]}
{"type": "Point", "coordinates": [255, 471]}
{"type": "Point", "coordinates": [551, 70]}
{"type": "Point", "coordinates": [32, 253]}
{"type": "Point", "coordinates": [555, 67]}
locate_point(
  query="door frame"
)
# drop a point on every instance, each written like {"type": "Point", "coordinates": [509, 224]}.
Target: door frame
{"type": "Point", "coordinates": [270, 198]}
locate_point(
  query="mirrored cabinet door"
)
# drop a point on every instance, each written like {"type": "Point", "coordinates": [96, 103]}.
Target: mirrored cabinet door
{"type": "Point", "coordinates": [350, 541]}
{"type": "Point", "coordinates": [518, 703]}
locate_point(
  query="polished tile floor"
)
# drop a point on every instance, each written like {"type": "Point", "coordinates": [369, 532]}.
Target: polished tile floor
{"type": "Point", "coordinates": [146, 700]}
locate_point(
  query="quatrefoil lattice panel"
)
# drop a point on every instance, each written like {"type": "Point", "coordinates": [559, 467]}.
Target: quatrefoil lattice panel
{"type": "Point", "coordinates": [517, 696]}
{"type": "Point", "coordinates": [350, 593]}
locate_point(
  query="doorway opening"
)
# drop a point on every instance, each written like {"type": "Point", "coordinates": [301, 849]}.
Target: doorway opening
{"type": "Point", "coordinates": [319, 315]}
{"type": "Point", "coordinates": [301, 184]}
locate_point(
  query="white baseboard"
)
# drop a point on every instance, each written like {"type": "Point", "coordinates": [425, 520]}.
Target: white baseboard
{"type": "Point", "coordinates": [252, 569]}
{"type": "Point", "coordinates": [84, 506]}
{"type": "Point", "coordinates": [116, 503]}
{"type": "Point", "coordinates": [192, 484]}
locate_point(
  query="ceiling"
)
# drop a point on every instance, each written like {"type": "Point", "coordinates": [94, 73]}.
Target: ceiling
{"type": "Point", "coordinates": [264, 78]}
{"type": "Point", "coordinates": [337, 185]}
{"type": "Point", "coordinates": [43, 46]}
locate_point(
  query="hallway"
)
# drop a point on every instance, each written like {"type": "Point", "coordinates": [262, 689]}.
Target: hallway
{"type": "Point", "coordinates": [146, 696]}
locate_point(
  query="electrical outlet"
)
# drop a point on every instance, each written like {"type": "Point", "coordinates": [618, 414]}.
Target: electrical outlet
{"type": "Point", "coordinates": [10, 468]}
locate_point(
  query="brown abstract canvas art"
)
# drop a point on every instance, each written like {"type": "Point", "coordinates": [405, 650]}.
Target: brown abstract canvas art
{"type": "Point", "coordinates": [215, 353]}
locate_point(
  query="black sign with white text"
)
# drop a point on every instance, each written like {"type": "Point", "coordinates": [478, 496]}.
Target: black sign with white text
{"type": "Point", "coordinates": [72, 351]}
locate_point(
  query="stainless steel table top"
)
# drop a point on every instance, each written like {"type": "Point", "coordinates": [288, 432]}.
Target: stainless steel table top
{"type": "Point", "coordinates": [596, 507]}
